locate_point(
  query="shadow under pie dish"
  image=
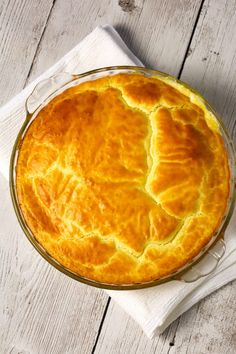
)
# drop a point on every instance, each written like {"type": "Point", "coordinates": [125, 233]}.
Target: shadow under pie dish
{"type": "Point", "coordinates": [122, 177]}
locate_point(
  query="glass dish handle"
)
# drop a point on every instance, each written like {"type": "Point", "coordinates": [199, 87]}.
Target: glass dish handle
{"type": "Point", "coordinates": [207, 264]}
{"type": "Point", "coordinates": [45, 88]}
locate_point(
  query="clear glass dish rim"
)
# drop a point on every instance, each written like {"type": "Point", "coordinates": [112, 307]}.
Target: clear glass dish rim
{"type": "Point", "coordinates": [112, 70]}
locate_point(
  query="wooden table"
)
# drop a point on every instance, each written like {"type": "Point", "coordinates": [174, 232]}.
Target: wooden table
{"type": "Point", "coordinates": [43, 311]}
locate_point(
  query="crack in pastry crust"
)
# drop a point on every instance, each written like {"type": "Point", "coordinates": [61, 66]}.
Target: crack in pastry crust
{"type": "Point", "coordinates": [123, 179]}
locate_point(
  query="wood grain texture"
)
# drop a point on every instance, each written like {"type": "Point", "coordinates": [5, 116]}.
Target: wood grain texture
{"type": "Point", "coordinates": [209, 327]}
{"type": "Point", "coordinates": [21, 26]}
{"type": "Point", "coordinates": [211, 64]}
{"type": "Point", "coordinates": [122, 335]}
{"type": "Point", "coordinates": [158, 32]}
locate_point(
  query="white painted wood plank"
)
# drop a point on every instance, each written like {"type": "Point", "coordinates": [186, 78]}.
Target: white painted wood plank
{"type": "Point", "coordinates": [122, 335]}
{"type": "Point", "coordinates": [211, 65]}
{"type": "Point", "coordinates": [21, 26]}
{"type": "Point", "coordinates": [209, 327]}
{"type": "Point", "coordinates": [158, 32]}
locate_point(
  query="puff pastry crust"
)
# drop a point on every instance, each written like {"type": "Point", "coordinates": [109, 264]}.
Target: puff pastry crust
{"type": "Point", "coordinates": [123, 179]}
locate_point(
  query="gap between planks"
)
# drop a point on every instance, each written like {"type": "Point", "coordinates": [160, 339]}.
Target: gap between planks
{"type": "Point", "coordinates": [39, 42]}
{"type": "Point", "coordinates": [191, 38]}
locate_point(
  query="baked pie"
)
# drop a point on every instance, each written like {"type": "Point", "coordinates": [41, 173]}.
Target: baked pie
{"type": "Point", "coordinates": [123, 179]}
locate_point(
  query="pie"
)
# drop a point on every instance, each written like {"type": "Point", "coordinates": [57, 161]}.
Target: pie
{"type": "Point", "coordinates": [123, 179]}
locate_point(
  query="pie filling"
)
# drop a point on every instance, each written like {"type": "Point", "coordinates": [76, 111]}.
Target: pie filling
{"type": "Point", "coordinates": [123, 179]}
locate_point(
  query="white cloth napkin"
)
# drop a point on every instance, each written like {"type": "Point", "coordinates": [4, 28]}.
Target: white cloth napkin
{"type": "Point", "coordinates": [154, 308]}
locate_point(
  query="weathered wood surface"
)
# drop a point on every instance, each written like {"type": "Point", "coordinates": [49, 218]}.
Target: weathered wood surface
{"type": "Point", "coordinates": [211, 64]}
{"type": "Point", "coordinates": [148, 29]}
{"type": "Point", "coordinates": [42, 311]}
{"type": "Point", "coordinates": [21, 26]}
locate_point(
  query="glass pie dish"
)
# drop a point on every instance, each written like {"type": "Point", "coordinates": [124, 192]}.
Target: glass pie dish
{"type": "Point", "coordinates": [206, 261]}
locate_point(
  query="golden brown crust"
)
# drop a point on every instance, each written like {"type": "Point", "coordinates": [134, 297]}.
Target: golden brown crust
{"type": "Point", "coordinates": [123, 179]}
